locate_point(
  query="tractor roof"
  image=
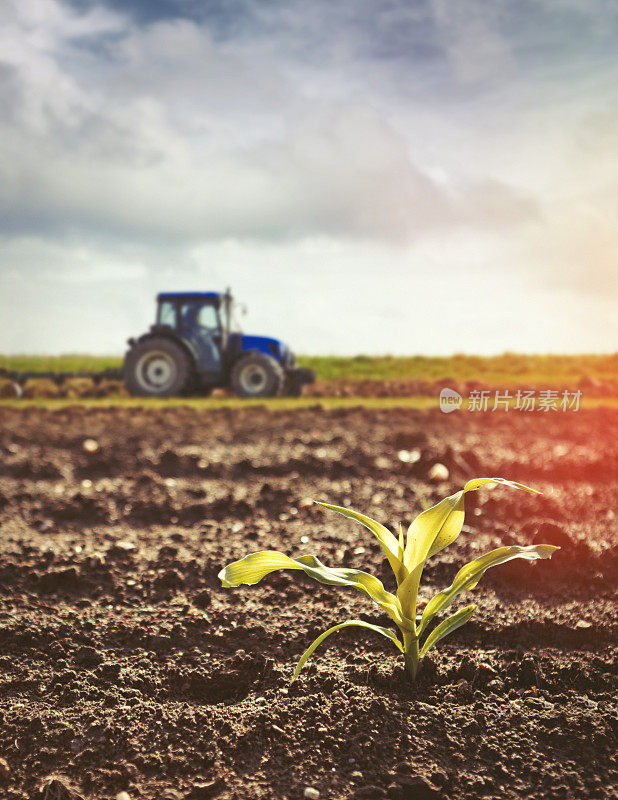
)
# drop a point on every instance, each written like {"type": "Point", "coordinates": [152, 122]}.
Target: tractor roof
{"type": "Point", "coordinates": [211, 296]}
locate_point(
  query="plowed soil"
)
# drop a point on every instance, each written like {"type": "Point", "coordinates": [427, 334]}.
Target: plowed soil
{"type": "Point", "coordinates": [125, 667]}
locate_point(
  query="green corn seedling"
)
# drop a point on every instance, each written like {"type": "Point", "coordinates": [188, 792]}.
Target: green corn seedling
{"type": "Point", "coordinates": [432, 531]}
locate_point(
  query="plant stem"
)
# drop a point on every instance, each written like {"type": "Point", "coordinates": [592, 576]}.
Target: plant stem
{"type": "Point", "coordinates": [410, 653]}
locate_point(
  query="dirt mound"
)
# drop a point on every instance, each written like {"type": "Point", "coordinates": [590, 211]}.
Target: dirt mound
{"type": "Point", "coordinates": [40, 387]}
{"type": "Point", "coordinates": [9, 389]}
{"type": "Point", "coordinates": [72, 388]}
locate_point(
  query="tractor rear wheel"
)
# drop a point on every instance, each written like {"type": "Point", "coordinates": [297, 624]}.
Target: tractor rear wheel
{"type": "Point", "coordinates": [157, 367]}
{"type": "Point", "coordinates": [257, 375]}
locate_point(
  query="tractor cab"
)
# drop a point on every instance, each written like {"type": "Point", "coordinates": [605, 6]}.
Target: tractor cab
{"type": "Point", "coordinates": [190, 310]}
{"type": "Point", "coordinates": [195, 344]}
{"type": "Point", "coordinates": [201, 321]}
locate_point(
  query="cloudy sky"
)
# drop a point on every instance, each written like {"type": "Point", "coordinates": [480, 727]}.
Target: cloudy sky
{"type": "Point", "coordinates": [405, 176]}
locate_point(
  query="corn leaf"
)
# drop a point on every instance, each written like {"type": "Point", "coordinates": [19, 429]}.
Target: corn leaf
{"type": "Point", "coordinates": [307, 654]}
{"type": "Point", "coordinates": [388, 542]}
{"type": "Point", "coordinates": [432, 531]}
{"type": "Point", "coordinates": [447, 626]}
{"type": "Point", "coordinates": [469, 575]}
{"type": "Point", "coordinates": [252, 568]}
{"type": "Point", "coordinates": [440, 525]}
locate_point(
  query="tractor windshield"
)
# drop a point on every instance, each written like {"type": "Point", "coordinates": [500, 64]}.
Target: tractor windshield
{"type": "Point", "coordinates": [197, 316]}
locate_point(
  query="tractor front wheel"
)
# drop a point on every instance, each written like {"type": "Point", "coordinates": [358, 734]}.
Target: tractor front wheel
{"type": "Point", "coordinates": [257, 375]}
{"type": "Point", "coordinates": [157, 367]}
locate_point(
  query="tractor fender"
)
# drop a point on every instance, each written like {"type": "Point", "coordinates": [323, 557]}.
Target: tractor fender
{"type": "Point", "coordinates": [157, 331]}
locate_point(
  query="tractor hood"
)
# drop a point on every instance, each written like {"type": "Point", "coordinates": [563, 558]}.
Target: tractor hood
{"type": "Point", "coordinates": [264, 344]}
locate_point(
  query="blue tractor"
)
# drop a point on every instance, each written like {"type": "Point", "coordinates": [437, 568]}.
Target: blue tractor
{"type": "Point", "coordinates": [195, 346]}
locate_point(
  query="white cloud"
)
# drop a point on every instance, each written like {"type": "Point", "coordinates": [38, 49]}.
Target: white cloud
{"type": "Point", "coordinates": [118, 156]}
{"type": "Point", "coordinates": [477, 50]}
{"type": "Point", "coordinates": [372, 160]}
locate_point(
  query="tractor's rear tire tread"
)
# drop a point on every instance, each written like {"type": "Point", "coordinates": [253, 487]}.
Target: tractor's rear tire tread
{"type": "Point", "coordinates": [182, 379]}
{"type": "Point", "coordinates": [274, 376]}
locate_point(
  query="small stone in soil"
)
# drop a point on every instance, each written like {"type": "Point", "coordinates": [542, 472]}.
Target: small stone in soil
{"type": "Point", "coordinates": [310, 793]}
{"type": "Point", "coordinates": [124, 546]}
{"type": "Point", "coordinates": [438, 473]}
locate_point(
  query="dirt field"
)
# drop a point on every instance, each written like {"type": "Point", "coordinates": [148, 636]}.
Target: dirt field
{"type": "Point", "coordinates": [125, 667]}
